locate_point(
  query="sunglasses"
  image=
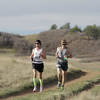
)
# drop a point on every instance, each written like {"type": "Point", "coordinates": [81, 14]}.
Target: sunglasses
{"type": "Point", "coordinates": [63, 44]}
{"type": "Point", "coordinates": [37, 43]}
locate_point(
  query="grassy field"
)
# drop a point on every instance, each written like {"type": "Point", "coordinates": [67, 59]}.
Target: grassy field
{"type": "Point", "coordinates": [81, 63]}
{"type": "Point", "coordinates": [92, 94]}
{"type": "Point", "coordinates": [16, 71]}
{"type": "Point", "coordinates": [68, 92]}
{"type": "Point", "coordinates": [16, 75]}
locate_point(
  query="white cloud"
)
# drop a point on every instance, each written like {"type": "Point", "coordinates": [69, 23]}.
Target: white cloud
{"type": "Point", "coordinates": [37, 15]}
{"type": "Point", "coordinates": [43, 21]}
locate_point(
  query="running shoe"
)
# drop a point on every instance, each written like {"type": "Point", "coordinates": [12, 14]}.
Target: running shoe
{"type": "Point", "coordinates": [34, 90]}
{"type": "Point", "coordinates": [41, 88]}
{"type": "Point", "coordinates": [59, 85]}
{"type": "Point", "coordinates": [62, 87]}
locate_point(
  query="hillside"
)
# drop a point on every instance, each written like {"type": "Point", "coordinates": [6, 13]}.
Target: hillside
{"type": "Point", "coordinates": [17, 42]}
{"type": "Point", "coordinates": [16, 81]}
{"type": "Point", "coordinates": [78, 42]}
{"type": "Point", "coordinates": [31, 38]}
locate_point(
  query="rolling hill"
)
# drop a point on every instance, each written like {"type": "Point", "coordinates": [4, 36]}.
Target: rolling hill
{"type": "Point", "coordinates": [79, 44]}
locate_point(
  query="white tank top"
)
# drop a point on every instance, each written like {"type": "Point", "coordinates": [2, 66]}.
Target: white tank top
{"type": "Point", "coordinates": [37, 58]}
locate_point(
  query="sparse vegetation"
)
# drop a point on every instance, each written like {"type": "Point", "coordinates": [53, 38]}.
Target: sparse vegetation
{"type": "Point", "coordinates": [16, 75]}
{"type": "Point", "coordinates": [51, 40]}
{"type": "Point", "coordinates": [68, 92]}
{"type": "Point", "coordinates": [92, 94]}
{"type": "Point", "coordinates": [92, 31]}
{"type": "Point", "coordinates": [17, 42]}
{"type": "Point", "coordinates": [31, 38]}
{"type": "Point", "coordinates": [77, 38]}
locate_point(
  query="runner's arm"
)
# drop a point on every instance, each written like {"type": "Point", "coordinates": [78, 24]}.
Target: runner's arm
{"type": "Point", "coordinates": [69, 55]}
{"type": "Point", "coordinates": [57, 54]}
{"type": "Point", "coordinates": [43, 54]}
{"type": "Point", "coordinates": [32, 54]}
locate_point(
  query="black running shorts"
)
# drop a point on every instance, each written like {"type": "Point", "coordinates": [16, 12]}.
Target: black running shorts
{"type": "Point", "coordinates": [38, 67]}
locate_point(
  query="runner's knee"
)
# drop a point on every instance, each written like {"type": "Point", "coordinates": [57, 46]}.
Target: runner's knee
{"type": "Point", "coordinates": [34, 73]}
{"type": "Point", "coordinates": [40, 75]}
{"type": "Point", "coordinates": [59, 71]}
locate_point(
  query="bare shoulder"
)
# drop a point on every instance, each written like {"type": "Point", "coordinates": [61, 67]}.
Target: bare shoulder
{"type": "Point", "coordinates": [58, 48]}
{"type": "Point", "coordinates": [33, 49]}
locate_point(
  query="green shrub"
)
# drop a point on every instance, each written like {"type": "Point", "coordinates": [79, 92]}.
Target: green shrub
{"type": "Point", "coordinates": [76, 29]}
{"type": "Point", "coordinates": [66, 26]}
{"type": "Point", "coordinates": [53, 27]}
{"type": "Point", "coordinates": [92, 31]}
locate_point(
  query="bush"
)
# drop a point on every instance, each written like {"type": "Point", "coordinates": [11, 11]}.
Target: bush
{"type": "Point", "coordinates": [16, 42]}
{"type": "Point", "coordinates": [6, 40]}
{"type": "Point", "coordinates": [76, 29]}
{"type": "Point", "coordinates": [22, 47]}
{"type": "Point", "coordinates": [53, 27]}
{"type": "Point", "coordinates": [66, 26]}
{"type": "Point", "coordinates": [92, 31]}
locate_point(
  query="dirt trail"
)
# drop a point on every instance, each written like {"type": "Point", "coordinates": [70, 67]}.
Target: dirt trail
{"type": "Point", "coordinates": [89, 75]}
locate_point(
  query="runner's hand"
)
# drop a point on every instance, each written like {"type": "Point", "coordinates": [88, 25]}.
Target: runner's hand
{"type": "Point", "coordinates": [41, 54]}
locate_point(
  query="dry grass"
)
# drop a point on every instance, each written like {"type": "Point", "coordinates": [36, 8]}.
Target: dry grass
{"type": "Point", "coordinates": [68, 92]}
{"type": "Point", "coordinates": [78, 63]}
{"type": "Point", "coordinates": [31, 38]}
{"type": "Point", "coordinates": [15, 72]}
{"type": "Point", "coordinates": [93, 94]}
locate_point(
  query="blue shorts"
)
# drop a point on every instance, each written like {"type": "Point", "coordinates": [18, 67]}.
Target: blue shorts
{"type": "Point", "coordinates": [62, 65]}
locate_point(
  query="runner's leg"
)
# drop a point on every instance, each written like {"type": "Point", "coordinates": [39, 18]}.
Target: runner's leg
{"type": "Point", "coordinates": [41, 81]}
{"type": "Point", "coordinates": [63, 78]}
{"type": "Point", "coordinates": [34, 79]}
{"type": "Point", "coordinates": [59, 74]}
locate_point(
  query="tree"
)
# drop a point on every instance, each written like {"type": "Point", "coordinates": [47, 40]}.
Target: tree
{"type": "Point", "coordinates": [66, 26]}
{"type": "Point", "coordinates": [53, 27]}
{"type": "Point", "coordinates": [76, 29]}
{"type": "Point", "coordinates": [92, 31]}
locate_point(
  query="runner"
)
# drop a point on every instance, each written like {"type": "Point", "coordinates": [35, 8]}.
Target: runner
{"type": "Point", "coordinates": [37, 56]}
{"type": "Point", "coordinates": [62, 54]}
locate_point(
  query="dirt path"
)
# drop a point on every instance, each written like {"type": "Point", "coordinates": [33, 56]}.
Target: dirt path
{"type": "Point", "coordinates": [89, 75]}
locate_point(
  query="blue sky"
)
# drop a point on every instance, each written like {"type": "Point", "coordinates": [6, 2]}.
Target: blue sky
{"type": "Point", "coordinates": [34, 16]}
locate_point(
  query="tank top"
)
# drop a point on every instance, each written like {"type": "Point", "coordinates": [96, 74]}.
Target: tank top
{"type": "Point", "coordinates": [37, 58]}
{"type": "Point", "coordinates": [61, 53]}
